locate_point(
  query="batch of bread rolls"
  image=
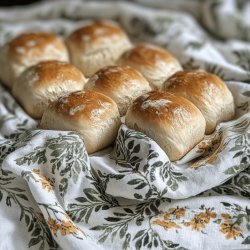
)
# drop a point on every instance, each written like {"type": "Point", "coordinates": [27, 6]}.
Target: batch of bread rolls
{"type": "Point", "coordinates": [97, 76]}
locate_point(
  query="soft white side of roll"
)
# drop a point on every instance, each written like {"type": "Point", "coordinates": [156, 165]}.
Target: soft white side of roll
{"type": "Point", "coordinates": [45, 82]}
{"type": "Point", "coordinates": [93, 115]}
{"type": "Point", "coordinates": [207, 91]}
{"type": "Point", "coordinates": [96, 45]}
{"type": "Point", "coordinates": [26, 50]}
{"type": "Point", "coordinates": [155, 64]}
{"type": "Point", "coordinates": [172, 121]}
{"type": "Point", "coordinates": [121, 83]}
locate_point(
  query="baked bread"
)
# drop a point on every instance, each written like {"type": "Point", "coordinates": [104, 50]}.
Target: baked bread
{"type": "Point", "coordinates": [155, 64]}
{"type": "Point", "coordinates": [28, 49]}
{"type": "Point", "coordinates": [121, 83]}
{"type": "Point", "coordinates": [45, 82]}
{"type": "Point", "coordinates": [92, 114]}
{"type": "Point", "coordinates": [175, 123]}
{"type": "Point", "coordinates": [205, 90]}
{"type": "Point", "coordinates": [97, 44]}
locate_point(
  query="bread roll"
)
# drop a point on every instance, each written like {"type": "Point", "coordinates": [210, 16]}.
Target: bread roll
{"type": "Point", "coordinates": [26, 50]}
{"type": "Point", "coordinates": [92, 114]}
{"type": "Point", "coordinates": [44, 83]}
{"type": "Point", "coordinates": [207, 91]}
{"type": "Point", "coordinates": [156, 64]}
{"type": "Point", "coordinates": [172, 121]}
{"type": "Point", "coordinates": [121, 83]}
{"type": "Point", "coordinates": [95, 45]}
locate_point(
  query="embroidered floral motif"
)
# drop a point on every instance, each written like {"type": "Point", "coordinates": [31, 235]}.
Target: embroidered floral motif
{"type": "Point", "coordinates": [200, 220]}
{"type": "Point", "coordinates": [230, 229]}
{"type": "Point", "coordinates": [178, 212]}
{"type": "Point", "coordinates": [208, 144]}
{"type": "Point", "coordinates": [46, 184]}
{"type": "Point", "coordinates": [226, 216]}
{"type": "Point", "coordinates": [165, 224]}
{"type": "Point", "coordinates": [172, 214]}
{"type": "Point", "coordinates": [67, 227]}
{"type": "Point", "coordinates": [53, 225]}
{"type": "Point", "coordinates": [230, 225]}
{"type": "Point", "coordinates": [210, 150]}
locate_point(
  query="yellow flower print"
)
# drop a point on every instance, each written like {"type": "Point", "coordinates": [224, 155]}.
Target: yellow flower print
{"type": "Point", "coordinates": [226, 216]}
{"type": "Point", "coordinates": [205, 145]}
{"type": "Point", "coordinates": [166, 224]}
{"type": "Point", "coordinates": [37, 171]}
{"type": "Point", "coordinates": [212, 158]}
{"type": "Point", "coordinates": [209, 159]}
{"type": "Point", "coordinates": [72, 225]}
{"type": "Point", "coordinates": [196, 223]}
{"type": "Point", "coordinates": [67, 227]}
{"type": "Point", "coordinates": [178, 212]}
{"type": "Point", "coordinates": [200, 220]}
{"type": "Point", "coordinates": [53, 225]}
{"type": "Point", "coordinates": [166, 216]}
{"type": "Point", "coordinates": [208, 215]}
{"type": "Point", "coordinates": [45, 183]}
{"type": "Point", "coordinates": [67, 216]}
{"type": "Point", "coordinates": [229, 229]}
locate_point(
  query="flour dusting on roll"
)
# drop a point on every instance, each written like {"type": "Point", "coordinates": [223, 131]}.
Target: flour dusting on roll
{"type": "Point", "coordinates": [92, 114]}
{"type": "Point", "coordinates": [28, 49]}
{"type": "Point", "coordinates": [207, 91]}
{"type": "Point", "coordinates": [155, 64]}
{"type": "Point", "coordinates": [97, 44]}
{"type": "Point", "coordinates": [121, 83]}
{"type": "Point", "coordinates": [172, 121]}
{"type": "Point", "coordinates": [45, 82]}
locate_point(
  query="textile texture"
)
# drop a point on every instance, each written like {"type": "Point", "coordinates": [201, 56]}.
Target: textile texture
{"type": "Point", "coordinates": [53, 195]}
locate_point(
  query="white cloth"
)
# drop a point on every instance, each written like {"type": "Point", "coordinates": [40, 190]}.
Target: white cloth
{"type": "Point", "coordinates": [53, 195]}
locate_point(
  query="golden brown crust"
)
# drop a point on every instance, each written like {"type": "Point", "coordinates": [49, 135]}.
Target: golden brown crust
{"type": "Point", "coordinates": [96, 45]}
{"type": "Point", "coordinates": [33, 42]}
{"type": "Point", "coordinates": [56, 72]}
{"type": "Point", "coordinates": [172, 121]}
{"type": "Point", "coordinates": [112, 77]}
{"type": "Point", "coordinates": [205, 90]}
{"type": "Point", "coordinates": [94, 32]}
{"type": "Point", "coordinates": [84, 104]}
{"type": "Point", "coordinates": [148, 55]}
{"type": "Point", "coordinates": [199, 83]}
{"type": "Point", "coordinates": [159, 107]}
